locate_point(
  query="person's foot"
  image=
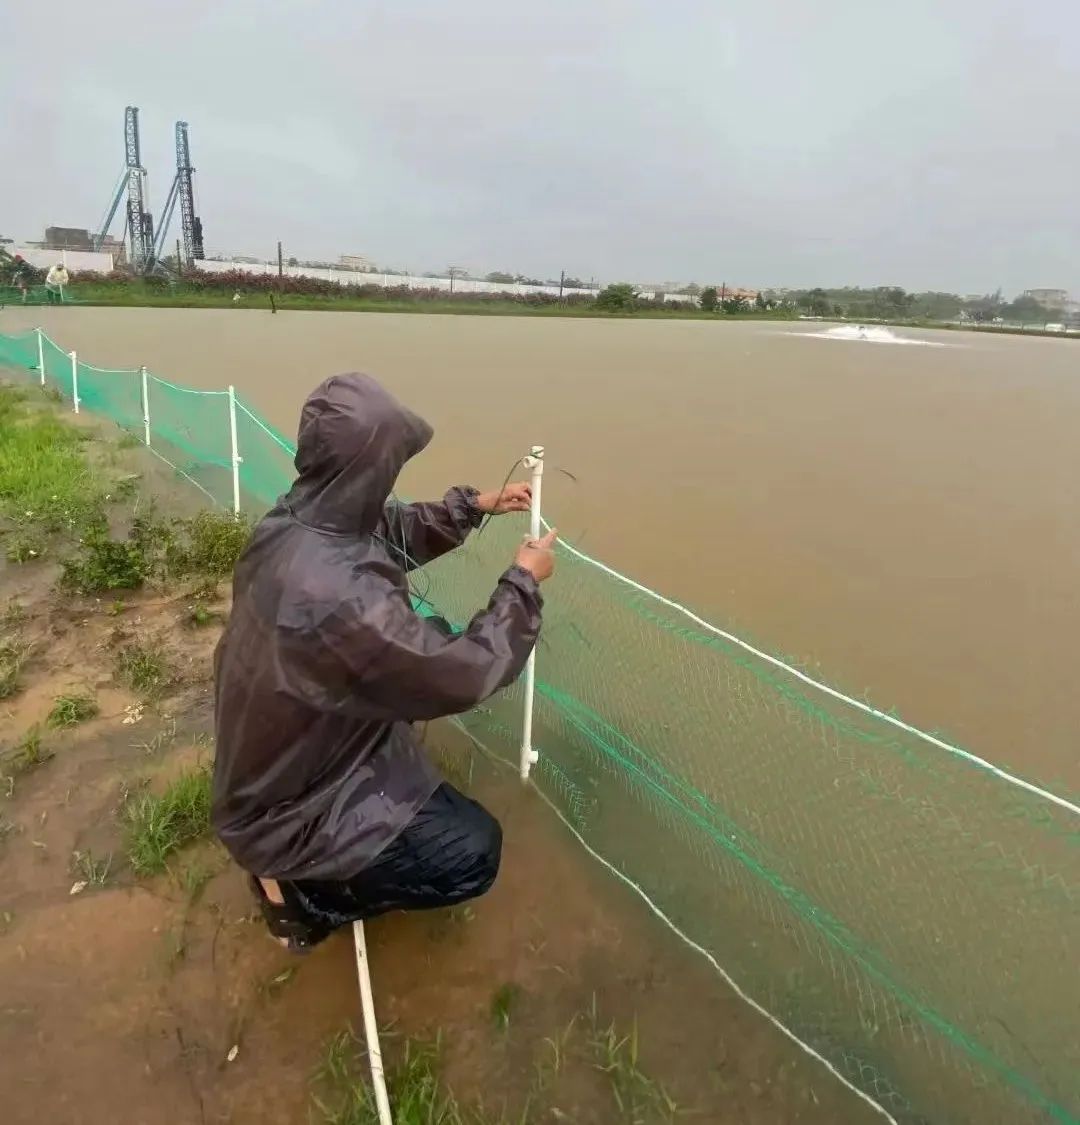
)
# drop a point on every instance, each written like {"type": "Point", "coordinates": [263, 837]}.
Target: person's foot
{"type": "Point", "coordinates": [288, 930]}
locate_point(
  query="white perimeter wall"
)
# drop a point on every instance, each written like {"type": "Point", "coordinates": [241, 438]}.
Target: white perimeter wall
{"type": "Point", "coordinates": [389, 280]}
{"type": "Point", "coordinates": [73, 259]}
{"type": "Point", "coordinates": [103, 263]}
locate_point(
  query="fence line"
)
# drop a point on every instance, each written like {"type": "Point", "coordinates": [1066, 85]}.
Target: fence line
{"type": "Point", "coordinates": [841, 869]}
{"type": "Point", "coordinates": [884, 716]}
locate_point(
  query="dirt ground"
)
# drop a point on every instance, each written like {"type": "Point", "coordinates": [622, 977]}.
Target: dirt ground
{"type": "Point", "coordinates": [162, 999]}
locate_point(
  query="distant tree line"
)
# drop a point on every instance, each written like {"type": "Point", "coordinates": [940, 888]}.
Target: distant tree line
{"type": "Point", "coordinates": [890, 302]}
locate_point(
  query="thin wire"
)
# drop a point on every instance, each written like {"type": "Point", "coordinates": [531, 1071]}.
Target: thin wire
{"type": "Point", "coordinates": [502, 490]}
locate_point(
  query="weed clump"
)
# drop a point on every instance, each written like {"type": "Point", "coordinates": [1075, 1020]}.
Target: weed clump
{"type": "Point", "coordinates": [70, 710]}
{"type": "Point", "coordinates": [156, 827]}
{"type": "Point", "coordinates": [13, 655]}
{"type": "Point", "coordinates": [28, 754]}
{"type": "Point", "coordinates": [143, 667]}
{"type": "Point", "coordinates": [93, 870]}
{"type": "Point", "coordinates": [24, 547]}
{"type": "Point", "coordinates": [104, 563]}
{"type": "Point", "coordinates": [207, 545]}
{"type": "Point", "coordinates": [210, 544]}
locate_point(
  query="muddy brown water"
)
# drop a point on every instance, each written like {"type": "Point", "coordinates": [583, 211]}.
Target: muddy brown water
{"type": "Point", "coordinates": [904, 519]}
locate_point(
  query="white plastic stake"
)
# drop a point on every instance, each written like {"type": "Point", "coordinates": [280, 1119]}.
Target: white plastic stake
{"type": "Point", "coordinates": [371, 1026]}
{"type": "Point", "coordinates": [235, 452]}
{"type": "Point", "coordinates": [75, 381]}
{"type": "Point", "coordinates": [145, 405]}
{"type": "Point", "coordinates": [535, 463]}
{"type": "Point", "coordinates": [41, 355]}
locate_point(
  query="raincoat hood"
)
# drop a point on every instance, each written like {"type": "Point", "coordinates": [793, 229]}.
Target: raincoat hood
{"type": "Point", "coordinates": [354, 440]}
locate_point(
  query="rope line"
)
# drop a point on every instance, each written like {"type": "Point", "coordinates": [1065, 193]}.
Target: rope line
{"type": "Point", "coordinates": [865, 708]}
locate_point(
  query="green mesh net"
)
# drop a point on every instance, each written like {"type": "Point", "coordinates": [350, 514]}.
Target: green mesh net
{"type": "Point", "coordinates": [906, 912]}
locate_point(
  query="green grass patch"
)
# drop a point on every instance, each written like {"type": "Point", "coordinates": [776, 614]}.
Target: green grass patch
{"type": "Point", "coordinates": [200, 615]}
{"type": "Point", "coordinates": [144, 668]}
{"type": "Point", "coordinates": [637, 1096]}
{"type": "Point", "coordinates": [416, 1094]}
{"type": "Point", "coordinates": [70, 710]}
{"type": "Point", "coordinates": [503, 1003]}
{"type": "Point", "coordinates": [157, 826]}
{"type": "Point", "coordinates": [44, 478]}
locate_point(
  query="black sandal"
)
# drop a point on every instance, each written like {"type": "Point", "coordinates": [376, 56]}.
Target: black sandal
{"type": "Point", "coordinates": [284, 923]}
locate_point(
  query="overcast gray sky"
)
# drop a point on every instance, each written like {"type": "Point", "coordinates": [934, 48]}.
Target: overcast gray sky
{"type": "Point", "coordinates": [930, 144]}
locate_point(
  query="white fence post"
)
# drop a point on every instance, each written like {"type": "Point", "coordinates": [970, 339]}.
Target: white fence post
{"type": "Point", "coordinates": [145, 405]}
{"type": "Point", "coordinates": [371, 1026]}
{"type": "Point", "coordinates": [529, 756]}
{"type": "Point", "coordinates": [41, 355]}
{"type": "Point", "coordinates": [235, 451]}
{"type": "Point", "coordinates": [75, 381]}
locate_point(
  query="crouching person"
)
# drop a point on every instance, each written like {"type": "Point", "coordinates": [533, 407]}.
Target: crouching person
{"type": "Point", "coordinates": [322, 791]}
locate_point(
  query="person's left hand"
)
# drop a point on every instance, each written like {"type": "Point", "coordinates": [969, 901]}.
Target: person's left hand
{"type": "Point", "coordinates": [512, 498]}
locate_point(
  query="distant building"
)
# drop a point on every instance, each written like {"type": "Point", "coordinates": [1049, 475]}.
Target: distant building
{"type": "Point", "coordinates": [1049, 298]}
{"type": "Point", "coordinates": [67, 238]}
{"type": "Point", "coordinates": [355, 262]}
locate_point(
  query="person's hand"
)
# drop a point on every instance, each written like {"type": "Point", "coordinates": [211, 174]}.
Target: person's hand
{"type": "Point", "coordinates": [537, 556]}
{"type": "Point", "coordinates": [511, 498]}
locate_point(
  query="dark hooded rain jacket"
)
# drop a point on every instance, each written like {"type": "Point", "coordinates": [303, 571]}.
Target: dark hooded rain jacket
{"type": "Point", "coordinates": [324, 665]}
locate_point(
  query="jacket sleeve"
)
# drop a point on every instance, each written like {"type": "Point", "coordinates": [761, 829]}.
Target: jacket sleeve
{"type": "Point", "coordinates": [413, 670]}
{"type": "Point", "coordinates": [416, 534]}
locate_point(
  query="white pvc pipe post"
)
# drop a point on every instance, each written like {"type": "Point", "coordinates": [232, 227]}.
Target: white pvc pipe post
{"type": "Point", "coordinates": [535, 463]}
{"type": "Point", "coordinates": [371, 1026]}
{"type": "Point", "coordinates": [235, 451]}
{"type": "Point", "coordinates": [74, 381]}
{"type": "Point", "coordinates": [145, 405]}
{"type": "Point", "coordinates": [41, 355]}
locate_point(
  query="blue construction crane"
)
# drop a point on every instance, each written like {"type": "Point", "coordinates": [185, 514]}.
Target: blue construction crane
{"type": "Point", "coordinates": [139, 223]}
{"type": "Point", "coordinates": [182, 189]}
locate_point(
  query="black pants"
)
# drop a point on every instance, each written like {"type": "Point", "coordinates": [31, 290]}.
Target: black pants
{"type": "Point", "coordinates": [448, 853]}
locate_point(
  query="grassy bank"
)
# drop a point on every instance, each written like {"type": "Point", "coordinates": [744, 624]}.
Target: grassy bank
{"type": "Point", "coordinates": [137, 294]}
{"type": "Point", "coordinates": [141, 294]}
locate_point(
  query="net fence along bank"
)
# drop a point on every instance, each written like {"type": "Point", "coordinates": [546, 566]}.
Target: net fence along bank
{"type": "Point", "coordinates": [908, 912]}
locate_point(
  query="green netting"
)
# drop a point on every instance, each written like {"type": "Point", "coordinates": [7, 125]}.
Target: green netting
{"type": "Point", "coordinates": [907, 913]}
{"type": "Point", "coordinates": [190, 429]}
{"type": "Point", "coordinates": [896, 906]}
{"type": "Point", "coordinates": [114, 394]}
{"type": "Point", "coordinates": [58, 367]}
{"type": "Point", "coordinates": [19, 353]}
{"type": "Point", "coordinates": [266, 466]}
{"type": "Point", "coordinates": [34, 295]}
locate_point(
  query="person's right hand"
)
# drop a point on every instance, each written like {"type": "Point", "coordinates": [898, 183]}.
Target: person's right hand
{"type": "Point", "coordinates": [537, 556]}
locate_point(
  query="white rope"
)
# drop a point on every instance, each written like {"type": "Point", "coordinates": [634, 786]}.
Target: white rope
{"type": "Point", "coordinates": [700, 949]}
{"type": "Point", "coordinates": [276, 438]}
{"type": "Point", "coordinates": [190, 479]}
{"type": "Point", "coordinates": [371, 1027]}
{"type": "Point", "coordinates": [974, 759]}
{"type": "Point", "coordinates": [185, 390]}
